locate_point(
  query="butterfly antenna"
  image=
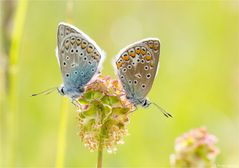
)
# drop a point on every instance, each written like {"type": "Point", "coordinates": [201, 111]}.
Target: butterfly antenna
{"type": "Point", "coordinates": [46, 92]}
{"type": "Point", "coordinates": [165, 113]}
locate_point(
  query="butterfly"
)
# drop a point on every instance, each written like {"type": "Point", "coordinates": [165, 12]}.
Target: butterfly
{"type": "Point", "coordinates": [79, 58]}
{"type": "Point", "coordinates": [136, 66]}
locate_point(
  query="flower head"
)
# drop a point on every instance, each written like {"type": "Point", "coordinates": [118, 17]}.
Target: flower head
{"type": "Point", "coordinates": [195, 148]}
{"type": "Point", "coordinates": [103, 114]}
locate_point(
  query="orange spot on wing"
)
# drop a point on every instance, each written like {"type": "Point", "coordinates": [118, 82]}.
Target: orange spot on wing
{"type": "Point", "coordinates": [148, 57]}
{"type": "Point", "coordinates": [119, 64]}
{"type": "Point", "coordinates": [132, 53]}
{"type": "Point", "coordinates": [137, 50]}
{"type": "Point", "coordinates": [143, 50]}
{"type": "Point", "coordinates": [125, 57]}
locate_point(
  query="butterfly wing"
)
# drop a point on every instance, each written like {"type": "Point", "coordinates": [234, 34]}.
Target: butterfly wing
{"type": "Point", "coordinates": [78, 56]}
{"type": "Point", "coordinates": [137, 65]}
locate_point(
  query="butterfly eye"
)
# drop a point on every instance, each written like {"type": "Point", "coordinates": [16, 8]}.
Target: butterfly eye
{"type": "Point", "coordinates": [137, 50]}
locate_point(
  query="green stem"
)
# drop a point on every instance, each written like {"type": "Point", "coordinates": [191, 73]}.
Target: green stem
{"type": "Point", "coordinates": [12, 99]}
{"type": "Point", "coordinates": [100, 154]}
{"type": "Point", "coordinates": [61, 145]}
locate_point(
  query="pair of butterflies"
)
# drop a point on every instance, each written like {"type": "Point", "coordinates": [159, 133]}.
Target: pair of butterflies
{"type": "Point", "coordinates": [80, 59]}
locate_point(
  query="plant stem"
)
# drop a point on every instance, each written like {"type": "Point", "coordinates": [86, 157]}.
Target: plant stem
{"type": "Point", "coordinates": [100, 154]}
{"type": "Point", "coordinates": [60, 155]}
{"type": "Point", "coordinates": [12, 99]}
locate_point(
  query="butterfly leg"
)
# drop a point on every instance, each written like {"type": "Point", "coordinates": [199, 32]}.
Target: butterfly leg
{"type": "Point", "coordinates": [76, 103]}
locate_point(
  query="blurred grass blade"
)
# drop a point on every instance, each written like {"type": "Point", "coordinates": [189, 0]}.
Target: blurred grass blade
{"type": "Point", "coordinates": [61, 144]}
{"type": "Point", "coordinates": [12, 124]}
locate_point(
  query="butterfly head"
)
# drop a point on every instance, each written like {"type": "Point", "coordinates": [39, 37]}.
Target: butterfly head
{"type": "Point", "coordinates": [145, 103]}
{"type": "Point", "coordinates": [70, 92]}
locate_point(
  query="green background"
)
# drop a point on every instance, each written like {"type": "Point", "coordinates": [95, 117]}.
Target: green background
{"type": "Point", "coordinates": [197, 81]}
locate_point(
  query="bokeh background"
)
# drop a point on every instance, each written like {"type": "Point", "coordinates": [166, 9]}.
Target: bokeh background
{"type": "Point", "coordinates": [197, 81]}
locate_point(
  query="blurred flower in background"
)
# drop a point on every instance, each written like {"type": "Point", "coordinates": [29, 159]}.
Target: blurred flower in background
{"type": "Point", "coordinates": [103, 114]}
{"type": "Point", "coordinates": [195, 148]}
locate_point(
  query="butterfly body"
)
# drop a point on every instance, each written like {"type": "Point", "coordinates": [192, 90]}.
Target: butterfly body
{"type": "Point", "coordinates": [136, 67]}
{"type": "Point", "coordinates": [79, 58]}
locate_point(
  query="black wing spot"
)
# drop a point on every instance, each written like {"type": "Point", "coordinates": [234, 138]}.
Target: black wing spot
{"type": "Point", "coordinates": [148, 76]}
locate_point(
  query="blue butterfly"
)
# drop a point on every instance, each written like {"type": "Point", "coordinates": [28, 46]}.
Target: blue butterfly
{"type": "Point", "coordinates": [79, 58]}
{"type": "Point", "coordinates": [136, 67]}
